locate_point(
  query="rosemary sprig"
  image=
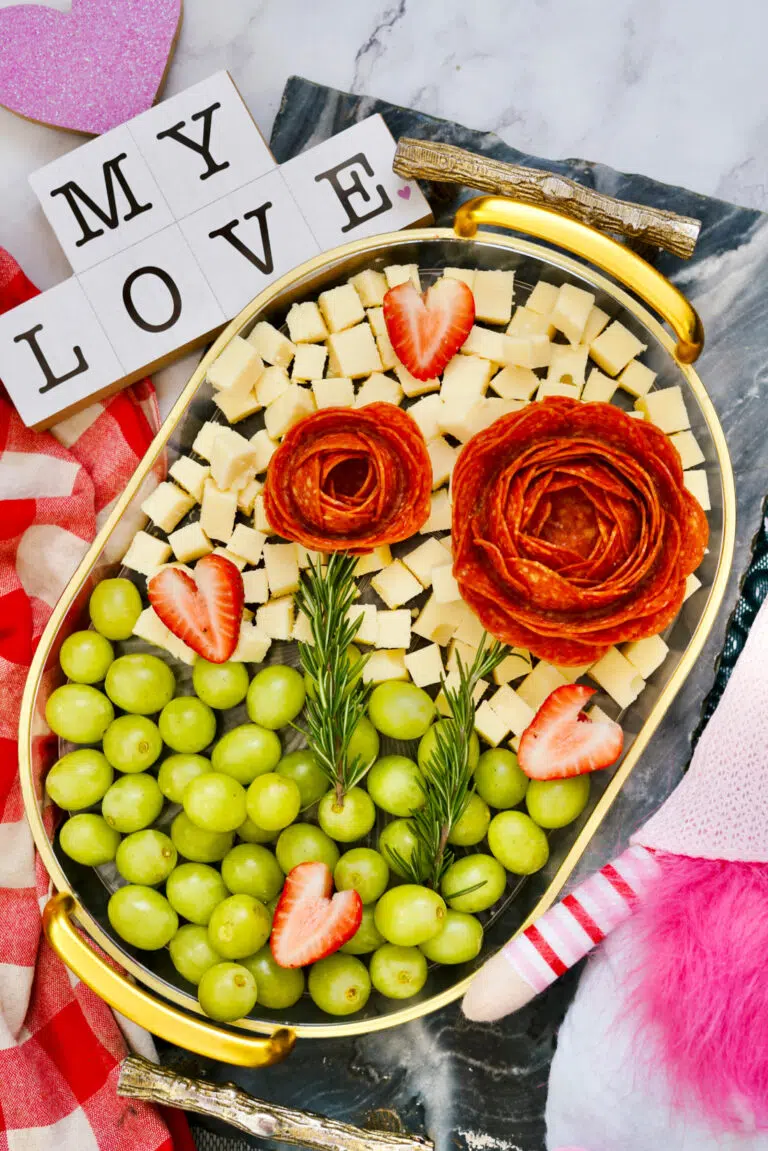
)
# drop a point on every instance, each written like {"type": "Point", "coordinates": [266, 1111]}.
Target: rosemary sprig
{"type": "Point", "coordinates": [337, 697]}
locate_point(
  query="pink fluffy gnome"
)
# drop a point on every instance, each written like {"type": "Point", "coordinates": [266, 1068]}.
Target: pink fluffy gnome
{"type": "Point", "coordinates": [665, 1047]}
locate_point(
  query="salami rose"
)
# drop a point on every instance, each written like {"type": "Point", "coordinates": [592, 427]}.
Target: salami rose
{"type": "Point", "coordinates": [572, 529]}
{"type": "Point", "coordinates": [350, 479]}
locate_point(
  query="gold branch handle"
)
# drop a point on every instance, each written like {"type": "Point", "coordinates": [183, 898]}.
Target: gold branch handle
{"type": "Point", "coordinates": [140, 1079]}
{"type": "Point", "coordinates": [430, 160]}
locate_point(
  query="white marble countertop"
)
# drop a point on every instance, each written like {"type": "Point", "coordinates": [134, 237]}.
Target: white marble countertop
{"type": "Point", "coordinates": [674, 90]}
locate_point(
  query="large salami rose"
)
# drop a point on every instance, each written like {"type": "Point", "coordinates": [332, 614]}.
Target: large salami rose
{"type": "Point", "coordinates": [572, 529]}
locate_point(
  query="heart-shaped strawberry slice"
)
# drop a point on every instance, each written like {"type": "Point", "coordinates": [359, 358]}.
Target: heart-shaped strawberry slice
{"type": "Point", "coordinates": [309, 922]}
{"type": "Point", "coordinates": [203, 609]}
{"type": "Point", "coordinates": [427, 331]}
{"type": "Point", "coordinates": [561, 741]}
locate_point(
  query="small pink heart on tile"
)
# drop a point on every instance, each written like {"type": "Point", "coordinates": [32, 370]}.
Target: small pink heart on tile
{"type": "Point", "coordinates": [404, 193]}
{"type": "Point", "coordinates": [90, 69]}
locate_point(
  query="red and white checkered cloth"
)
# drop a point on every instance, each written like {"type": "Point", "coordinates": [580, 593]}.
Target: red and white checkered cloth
{"type": "Point", "coordinates": [60, 1046]}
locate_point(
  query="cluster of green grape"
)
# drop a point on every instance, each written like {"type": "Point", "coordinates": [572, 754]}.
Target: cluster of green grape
{"type": "Point", "coordinates": [245, 788]}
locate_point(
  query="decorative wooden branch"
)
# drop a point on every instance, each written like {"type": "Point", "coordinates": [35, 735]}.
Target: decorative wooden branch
{"type": "Point", "coordinates": [428, 160]}
{"type": "Point", "coordinates": [140, 1079]}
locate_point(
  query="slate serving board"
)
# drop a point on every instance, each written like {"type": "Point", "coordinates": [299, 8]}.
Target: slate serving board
{"type": "Point", "coordinates": [483, 1088]}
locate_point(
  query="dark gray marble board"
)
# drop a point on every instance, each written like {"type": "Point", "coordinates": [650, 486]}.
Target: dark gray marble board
{"type": "Point", "coordinates": [483, 1088]}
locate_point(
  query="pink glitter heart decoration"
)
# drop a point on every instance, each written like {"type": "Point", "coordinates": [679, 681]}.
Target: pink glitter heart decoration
{"type": "Point", "coordinates": [90, 69]}
{"type": "Point", "coordinates": [404, 193]}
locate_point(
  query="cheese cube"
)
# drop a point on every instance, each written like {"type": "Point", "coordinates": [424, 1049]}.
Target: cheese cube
{"type": "Point", "coordinates": [460, 422]}
{"type": "Point", "coordinates": [692, 584]}
{"type": "Point", "coordinates": [413, 387]}
{"type": "Point", "coordinates": [459, 651]}
{"type": "Point", "coordinates": [190, 475]}
{"type": "Point", "coordinates": [646, 655]}
{"type": "Point", "coordinates": [465, 380]}
{"type": "Point", "coordinates": [597, 715]}
{"type": "Point", "coordinates": [528, 323]}
{"type": "Point", "coordinates": [453, 682]}
{"type": "Point", "coordinates": [542, 298]}
{"type": "Point", "coordinates": [341, 308]}
{"type": "Point", "coordinates": [440, 513]}
{"type": "Point", "coordinates": [438, 622]}
{"type": "Point", "coordinates": [151, 628]}
{"type": "Point", "coordinates": [567, 365]}
{"type": "Point", "coordinates": [444, 586]}
{"type": "Point", "coordinates": [426, 412]}
{"type": "Point", "coordinates": [167, 505]}
{"type": "Point", "coordinates": [570, 311]}
{"type": "Point", "coordinates": [574, 671]}
{"type": "Point", "coordinates": [190, 543]}
{"type": "Point", "coordinates": [400, 273]}
{"type": "Point", "coordinates": [275, 618]}
{"type": "Point", "coordinates": [247, 495]}
{"type": "Point", "coordinates": [272, 383]}
{"type": "Point", "coordinates": [470, 630]}
{"type": "Point", "coordinates": [353, 353]}
{"type": "Point", "coordinates": [177, 648]}
{"type": "Point", "coordinates": [368, 632]}
{"type": "Point", "coordinates": [237, 560]}
{"type": "Point", "coordinates": [510, 706]}
{"type": "Point", "coordinates": [293, 405]}
{"type": "Point", "coordinates": [371, 287]}
{"type": "Point", "coordinates": [146, 553]}
{"type": "Point", "coordinates": [384, 665]}
{"type": "Point", "coordinates": [336, 392]}
{"type": "Point", "coordinates": [636, 378]}
{"type": "Point", "coordinates": [616, 675]}
{"type": "Point", "coordinates": [377, 321]}
{"type": "Point", "coordinates": [236, 368]}
{"type": "Point", "coordinates": [302, 629]}
{"type": "Point", "coordinates": [309, 362]}
{"type": "Point", "coordinates": [260, 521]}
{"type": "Point", "coordinates": [666, 409]}
{"type": "Point", "coordinates": [596, 322]}
{"type": "Point", "coordinates": [598, 388]}
{"type": "Point", "coordinates": [236, 407]}
{"type": "Point", "coordinates": [282, 565]}
{"type": "Point", "coordinates": [233, 460]}
{"type": "Point", "coordinates": [265, 449]}
{"type": "Point", "coordinates": [493, 293]}
{"type": "Point", "coordinates": [203, 441]}
{"type": "Point", "coordinates": [687, 447]}
{"type": "Point", "coordinates": [526, 351]}
{"type": "Point", "coordinates": [255, 586]}
{"type": "Point", "coordinates": [491, 726]}
{"type": "Point", "coordinates": [554, 388]}
{"type": "Point", "coordinates": [378, 389]}
{"type": "Point", "coordinates": [393, 628]}
{"type": "Point", "coordinates": [217, 512]}
{"type": "Point", "coordinates": [466, 275]}
{"type": "Point", "coordinates": [432, 553]}
{"type": "Point", "coordinates": [540, 683]}
{"type": "Point", "coordinates": [395, 584]}
{"type": "Point", "coordinates": [696, 483]}
{"type": "Point", "coordinates": [387, 353]}
{"type": "Point", "coordinates": [515, 383]}
{"type": "Point", "coordinates": [442, 457]}
{"type": "Point", "coordinates": [272, 346]}
{"type": "Point", "coordinates": [614, 348]}
{"type": "Point", "coordinates": [636, 415]}
{"type": "Point", "coordinates": [374, 561]}
{"type": "Point", "coordinates": [248, 543]}
{"type": "Point", "coordinates": [425, 666]}
{"type": "Point", "coordinates": [485, 343]}
{"type": "Point", "coordinates": [305, 323]}
{"type": "Point", "coordinates": [252, 644]}
{"type": "Point", "coordinates": [308, 557]}
{"type": "Point", "coordinates": [513, 667]}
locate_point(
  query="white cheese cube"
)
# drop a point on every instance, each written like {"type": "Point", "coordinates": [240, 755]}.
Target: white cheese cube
{"type": "Point", "coordinates": [493, 293]}
{"type": "Point", "coordinates": [146, 553]}
{"type": "Point", "coordinates": [246, 496]}
{"type": "Point", "coordinates": [371, 287]}
{"type": "Point", "coordinates": [440, 513]}
{"type": "Point", "coordinates": [570, 311]}
{"type": "Point", "coordinates": [233, 460]}
{"type": "Point", "coordinates": [489, 725]}
{"type": "Point", "coordinates": [252, 644]}
{"type": "Point", "coordinates": [460, 422]}
{"type": "Point", "coordinates": [272, 383]}
{"type": "Point", "coordinates": [527, 351]}
{"type": "Point", "coordinates": [302, 629]}
{"type": "Point", "coordinates": [425, 666]}
{"type": "Point", "coordinates": [542, 298]}
{"type": "Point", "coordinates": [336, 392]}
{"type": "Point", "coordinates": [377, 321]}
{"type": "Point", "coordinates": [237, 560]}
{"type": "Point", "coordinates": [265, 449]}
{"type": "Point", "coordinates": [438, 622]}
{"type": "Point", "coordinates": [236, 407]}
{"type": "Point", "coordinates": [272, 346]}
{"type": "Point", "coordinates": [260, 521]}
{"type": "Point", "coordinates": [596, 322]}
{"type": "Point", "coordinates": [384, 665]}
{"type": "Point", "coordinates": [307, 557]}
{"type": "Point", "coordinates": [459, 651]}
{"type": "Point", "coordinates": [510, 706]}
{"type": "Point", "coordinates": [442, 457]}
{"type": "Point", "coordinates": [190, 475]}
{"type": "Point", "coordinates": [413, 387]}
{"type": "Point", "coordinates": [395, 584]}
{"type": "Point", "coordinates": [470, 630]}
{"type": "Point", "coordinates": [236, 368]}
{"type": "Point", "coordinates": [426, 412]}
{"type": "Point", "coordinates": [597, 715]}
{"type": "Point", "coordinates": [444, 586]}
{"type": "Point", "coordinates": [616, 675]}
{"type": "Point", "coordinates": [190, 543]}
{"type": "Point", "coordinates": [217, 512]}
{"type": "Point", "coordinates": [465, 380]}
{"type": "Point", "coordinates": [374, 561]}
{"type": "Point", "coordinates": [378, 389]}
{"type": "Point", "coordinates": [636, 378]}
{"type": "Point", "coordinates": [567, 365]}
{"type": "Point", "coordinates": [151, 628]}
{"type": "Point", "coordinates": [614, 348]}
{"type": "Point", "coordinates": [527, 323]}
{"type": "Point", "coordinates": [513, 667]}
{"type": "Point", "coordinates": [393, 628]}
{"type": "Point", "coordinates": [541, 682]}
{"type": "Point", "coordinates": [666, 409]}
{"type": "Point", "coordinates": [341, 308]}
{"type": "Point", "coordinates": [255, 586]}
{"type": "Point", "coordinates": [636, 415]}
{"type": "Point", "coordinates": [353, 353]}
{"type": "Point", "coordinates": [203, 441]}
{"type": "Point", "coordinates": [452, 682]}
{"type": "Point", "coordinates": [688, 449]}
{"type": "Point", "coordinates": [432, 553]}
{"type": "Point", "coordinates": [282, 566]}
{"type": "Point", "coordinates": [167, 505]}
{"type": "Point", "coordinates": [697, 485]}
{"type": "Point", "coordinates": [466, 275]}
{"type": "Point", "coordinates": [275, 618]}
{"type": "Point", "coordinates": [387, 353]}
{"type": "Point", "coordinates": [305, 323]}
{"type": "Point", "coordinates": [554, 388]}
{"type": "Point", "coordinates": [400, 273]}
{"type": "Point", "coordinates": [308, 363]}
{"type": "Point", "coordinates": [599, 388]}
{"type": "Point", "coordinates": [293, 405]}
{"type": "Point", "coordinates": [692, 584]}
{"type": "Point", "coordinates": [646, 655]}
{"type": "Point", "coordinates": [368, 632]}
{"type": "Point", "coordinates": [485, 343]}
{"type": "Point", "coordinates": [248, 543]}
{"type": "Point", "coordinates": [515, 383]}
{"type": "Point", "coordinates": [574, 671]}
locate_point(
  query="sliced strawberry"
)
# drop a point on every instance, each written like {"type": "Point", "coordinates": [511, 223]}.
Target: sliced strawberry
{"type": "Point", "coordinates": [561, 741]}
{"type": "Point", "coordinates": [205, 609]}
{"type": "Point", "coordinates": [427, 331]}
{"type": "Point", "coordinates": [309, 923]}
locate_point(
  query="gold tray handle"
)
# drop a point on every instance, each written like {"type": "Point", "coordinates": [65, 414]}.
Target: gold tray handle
{"type": "Point", "coordinates": [197, 1035]}
{"type": "Point", "coordinates": [600, 250]}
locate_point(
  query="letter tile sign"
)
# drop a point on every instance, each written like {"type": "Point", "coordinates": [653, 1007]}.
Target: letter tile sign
{"type": "Point", "coordinates": [172, 223]}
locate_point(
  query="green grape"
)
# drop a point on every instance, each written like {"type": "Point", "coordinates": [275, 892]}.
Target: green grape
{"type": "Point", "coordinates": [459, 941]}
{"type": "Point", "coordinates": [191, 952]}
{"type": "Point", "coordinates": [146, 857]}
{"type": "Point", "coordinates": [363, 869]}
{"type": "Point", "coordinates": [398, 840]}
{"type": "Point", "coordinates": [275, 696]}
{"type": "Point", "coordinates": [474, 883]}
{"type": "Point", "coordinates": [227, 991]}
{"type": "Point", "coordinates": [198, 845]}
{"type": "Point", "coordinates": [302, 767]}
{"type": "Point", "coordinates": [239, 926]}
{"type": "Point", "coordinates": [273, 801]}
{"type": "Point", "coordinates": [79, 779]}
{"type": "Point", "coordinates": [305, 843]}
{"type": "Point", "coordinates": [557, 802]}
{"type": "Point", "coordinates": [367, 937]}
{"type": "Point", "coordinates": [187, 724]}
{"type": "Point", "coordinates": [246, 752]}
{"type": "Point", "coordinates": [398, 972]}
{"type": "Point", "coordinates": [400, 710]}
{"type": "Point", "coordinates": [139, 683]}
{"type": "Point", "coordinates": [340, 984]}
{"type": "Point", "coordinates": [115, 606]}
{"type": "Point", "coordinates": [132, 802]}
{"type": "Point", "coordinates": [220, 685]}
{"type": "Point", "coordinates": [472, 825]}
{"type": "Point", "coordinates": [85, 656]}
{"type": "Point", "coordinates": [142, 917]}
{"type": "Point", "coordinates": [499, 778]}
{"type": "Point", "coordinates": [429, 742]}
{"type": "Point", "coordinates": [279, 987]}
{"type": "Point", "coordinates": [79, 713]}
{"type": "Point", "coordinates": [194, 890]}
{"type": "Point", "coordinates": [215, 802]}
{"type": "Point", "coordinates": [518, 842]}
{"type": "Point", "coordinates": [410, 914]}
{"type": "Point", "coordinates": [177, 771]}
{"type": "Point", "coordinates": [249, 832]}
{"type": "Point", "coordinates": [350, 819]}
{"type": "Point", "coordinates": [363, 746]}
{"type": "Point", "coordinates": [88, 839]}
{"type": "Point", "coordinates": [132, 743]}
{"type": "Point", "coordinates": [396, 784]}
{"type": "Point", "coordinates": [250, 869]}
